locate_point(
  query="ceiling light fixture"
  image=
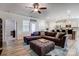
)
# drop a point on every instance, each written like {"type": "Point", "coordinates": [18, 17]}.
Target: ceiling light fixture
{"type": "Point", "coordinates": [36, 9]}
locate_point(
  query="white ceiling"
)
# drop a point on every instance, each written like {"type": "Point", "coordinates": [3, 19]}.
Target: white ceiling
{"type": "Point", "coordinates": [54, 10]}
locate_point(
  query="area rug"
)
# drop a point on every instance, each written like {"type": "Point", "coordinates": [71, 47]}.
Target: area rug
{"type": "Point", "coordinates": [58, 51]}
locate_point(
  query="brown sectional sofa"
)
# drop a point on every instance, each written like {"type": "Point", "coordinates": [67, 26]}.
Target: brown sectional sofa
{"type": "Point", "coordinates": [27, 39]}
{"type": "Point", "coordinates": [59, 40]}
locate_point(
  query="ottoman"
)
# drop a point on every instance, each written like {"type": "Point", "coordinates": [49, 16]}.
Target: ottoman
{"type": "Point", "coordinates": [42, 46]}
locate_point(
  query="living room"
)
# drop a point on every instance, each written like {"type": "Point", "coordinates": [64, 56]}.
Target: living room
{"type": "Point", "coordinates": [39, 29]}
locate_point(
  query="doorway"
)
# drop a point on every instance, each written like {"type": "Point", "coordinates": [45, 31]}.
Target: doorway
{"type": "Point", "coordinates": [10, 30]}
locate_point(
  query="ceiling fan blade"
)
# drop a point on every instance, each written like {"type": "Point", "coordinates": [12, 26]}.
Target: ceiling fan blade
{"type": "Point", "coordinates": [39, 12]}
{"type": "Point", "coordinates": [43, 8]}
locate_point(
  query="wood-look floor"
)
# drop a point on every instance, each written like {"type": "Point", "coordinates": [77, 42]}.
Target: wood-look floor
{"type": "Point", "coordinates": [15, 48]}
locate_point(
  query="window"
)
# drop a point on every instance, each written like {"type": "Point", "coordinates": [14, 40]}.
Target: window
{"type": "Point", "coordinates": [25, 26]}
{"type": "Point", "coordinates": [33, 26]}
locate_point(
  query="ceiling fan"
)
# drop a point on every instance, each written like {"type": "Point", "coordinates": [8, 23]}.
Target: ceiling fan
{"type": "Point", "coordinates": [36, 8]}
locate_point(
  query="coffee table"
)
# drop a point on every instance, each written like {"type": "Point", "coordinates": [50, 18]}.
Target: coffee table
{"type": "Point", "coordinates": [42, 46]}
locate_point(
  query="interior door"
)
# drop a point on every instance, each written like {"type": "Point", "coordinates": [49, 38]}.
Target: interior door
{"type": "Point", "coordinates": [10, 28]}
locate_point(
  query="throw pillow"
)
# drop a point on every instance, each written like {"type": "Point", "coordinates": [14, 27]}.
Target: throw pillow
{"type": "Point", "coordinates": [57, 36]}
{"type": "Point", "coordinates": [42, 33]}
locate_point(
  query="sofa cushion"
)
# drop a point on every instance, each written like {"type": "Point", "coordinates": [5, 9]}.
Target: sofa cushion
{"type": "Point", "coordinates": [51, 38]}
{"type": "Point", "coordinates": [32, 37]}
{"type": "Point", "coordinates": [35, 34]}
{"type": "Point", "coordinates": [53, 34]}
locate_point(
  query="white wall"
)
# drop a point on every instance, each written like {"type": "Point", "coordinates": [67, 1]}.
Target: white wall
{"type": "Point", "coordinates": [74, 22]}
{"type": "Point", "coordinates": [41, 24]}
{"type": "Point", "coordinates": [18, 18]}
{"type": "Point", "coordinates": [52, 25]}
